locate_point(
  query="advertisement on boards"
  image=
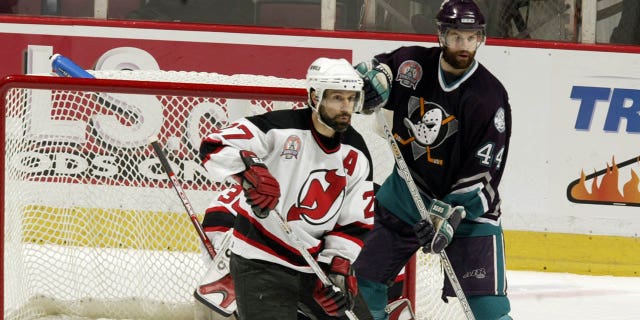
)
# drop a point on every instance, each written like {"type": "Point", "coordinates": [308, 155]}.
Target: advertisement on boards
{"type": "Point", "coordinates": [574, 160]}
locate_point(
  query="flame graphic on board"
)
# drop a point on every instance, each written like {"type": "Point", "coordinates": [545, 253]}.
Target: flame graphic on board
{"type": "Point", "coordinates": [605, 190]}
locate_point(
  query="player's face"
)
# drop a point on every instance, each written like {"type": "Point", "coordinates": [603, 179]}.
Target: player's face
{"type": "Point", "coordinates": [460, 47]}
{"type": "Point", "coordinates": [336, 108]}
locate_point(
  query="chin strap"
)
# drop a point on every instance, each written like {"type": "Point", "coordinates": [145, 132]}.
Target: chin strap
{"type": "Point", "coordinates": [319, 117]}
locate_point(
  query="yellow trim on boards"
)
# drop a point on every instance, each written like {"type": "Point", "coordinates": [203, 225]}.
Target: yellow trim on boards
{"type": "Point", "coordinates": [572, 253]}
{"type": "Point", "coordinates": [109, 228]}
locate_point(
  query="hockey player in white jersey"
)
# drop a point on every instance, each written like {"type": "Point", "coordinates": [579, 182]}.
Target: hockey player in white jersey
{"type": "Point", "coordinates": [312, 168]}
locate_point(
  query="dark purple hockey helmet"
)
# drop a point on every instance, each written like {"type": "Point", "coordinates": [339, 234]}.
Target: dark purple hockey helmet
{"type": "Point", "coordinates": [460, 14]}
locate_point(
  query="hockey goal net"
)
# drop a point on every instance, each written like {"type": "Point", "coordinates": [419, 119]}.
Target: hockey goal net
{"type": "Point", "coordinates": [92, 228]}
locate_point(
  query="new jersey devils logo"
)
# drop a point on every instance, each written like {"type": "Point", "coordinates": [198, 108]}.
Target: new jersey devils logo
{"type": "Point", "coordinates": [320, 197]}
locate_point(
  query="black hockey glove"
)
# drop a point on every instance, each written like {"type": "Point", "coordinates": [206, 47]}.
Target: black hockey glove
{"type": "Point", "coordinates": [261, 189]}
{"type": "Point", "coordinates": [424, 231]}
{"type": "Point", "coordinates": [338, 298]}
{"type": "Point", "coordinates": [437, 234]}
{"type": "Point", "coordinates": [377, 85]}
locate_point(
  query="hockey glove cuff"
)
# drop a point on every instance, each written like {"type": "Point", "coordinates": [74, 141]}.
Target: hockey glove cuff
{"type": "Point", "coordinates": [377, 85]}
{"type": "Point", "coordinates": [261, 189]}
{"type": "Point", "coordinates": [342, 275]}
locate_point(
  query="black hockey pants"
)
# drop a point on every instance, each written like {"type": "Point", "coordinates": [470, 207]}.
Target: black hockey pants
{"type": "Point", "coordinates": [266, 291]}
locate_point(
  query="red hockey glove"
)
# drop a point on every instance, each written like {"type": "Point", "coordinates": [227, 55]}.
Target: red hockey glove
{"type": "Point", "coordinates": [338, 298]}
{"type": "Point", "coordinates": [261, 189]}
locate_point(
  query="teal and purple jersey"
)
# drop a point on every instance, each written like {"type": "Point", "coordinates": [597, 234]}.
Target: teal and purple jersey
{"type": "Point", "coordinates": [454, 135]}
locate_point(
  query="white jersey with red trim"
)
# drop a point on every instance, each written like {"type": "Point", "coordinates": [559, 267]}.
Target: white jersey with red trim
{"type": "Point", "coordinates": [326, 188]}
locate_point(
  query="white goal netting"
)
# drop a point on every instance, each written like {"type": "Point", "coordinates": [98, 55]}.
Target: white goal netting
{"type": "Point", "coordinates": [92, 228]}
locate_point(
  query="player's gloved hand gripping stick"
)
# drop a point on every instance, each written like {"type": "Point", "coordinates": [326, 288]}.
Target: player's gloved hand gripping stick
{"type": "Point", "coordinates": [435, 234]}
{"type": "Point", "coordinates": [403, 170]}
{"type": "Point", "coordinates": [335, 302]}
{"type": "Point", "coordinates": [261, 189]}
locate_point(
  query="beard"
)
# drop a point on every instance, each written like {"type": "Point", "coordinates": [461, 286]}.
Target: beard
{"type": "Point", "coordinates": [457, 62]}
{"type": "Point", "coordinates": [335, 123]}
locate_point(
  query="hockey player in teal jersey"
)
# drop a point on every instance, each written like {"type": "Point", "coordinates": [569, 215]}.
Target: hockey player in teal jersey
{"type": "Point", "coordinates": [452, 122]}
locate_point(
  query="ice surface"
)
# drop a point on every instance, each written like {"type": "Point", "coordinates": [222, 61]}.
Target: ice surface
{"type": "Point", "coordinates": [541, 295]}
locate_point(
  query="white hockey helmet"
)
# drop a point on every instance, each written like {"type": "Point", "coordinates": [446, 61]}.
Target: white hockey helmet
{"type": "Point", "coordinates": [336, 74]}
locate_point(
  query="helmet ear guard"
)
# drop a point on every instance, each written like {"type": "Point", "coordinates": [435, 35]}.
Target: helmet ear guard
{"type": "Point", "coordinates": [333, 74]}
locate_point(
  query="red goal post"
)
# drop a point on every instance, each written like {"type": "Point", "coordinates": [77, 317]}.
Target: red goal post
{"type": "Point", "coordinates": [91, 226]}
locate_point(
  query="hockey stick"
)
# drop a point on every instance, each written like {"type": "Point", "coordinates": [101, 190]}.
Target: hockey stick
{"type": "Point", "coordinates": [153, 141]}
{"type": "Point", "coordinates": [64, 67]}
{"type": "Point", "coordinates": [298, 244]}
{"type": "Point", "coordinates": [219, 262]}
{"type": "Point", "coordinates": [403, 170]}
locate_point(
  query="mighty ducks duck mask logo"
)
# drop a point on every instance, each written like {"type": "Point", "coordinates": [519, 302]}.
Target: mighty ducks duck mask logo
{"type": "Point", "coordinates": [430, 125]}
